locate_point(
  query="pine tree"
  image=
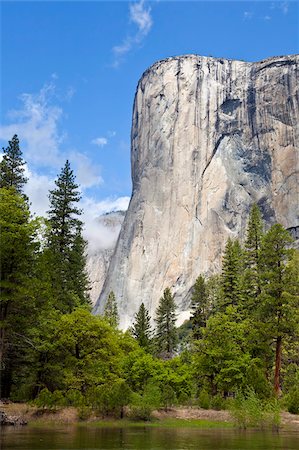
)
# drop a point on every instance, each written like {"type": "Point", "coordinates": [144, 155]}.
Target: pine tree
{"type": "Point", "coordinates": [199, 306]}
{"type": "Point", "coordinates": [231, 277]}
{"type": "Point", "coordinates": [66, 246]}
{"type": "Point", "coordinates": [252, 255]}
{"type": "Point", "coordinates": [17, 261]}
{"type": "Point", "coordinates": [11, 166]}
{"type": "Point", "coordinates": [111, 311]}
{"type": "Point", "coordinates": [278, 306]}
{"type": "Point", "coordinates": [166, 332]}
{"type": "Point", "coordinates": [141, 328]}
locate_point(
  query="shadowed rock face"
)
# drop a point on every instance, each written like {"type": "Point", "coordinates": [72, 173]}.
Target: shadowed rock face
{"type": "Point", "coordinates": [209, 138]}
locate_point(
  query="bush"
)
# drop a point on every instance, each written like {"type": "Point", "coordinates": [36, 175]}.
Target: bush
{"type": "Point", "coordinates": [184, 398]}
{"type": "Point", "coordinates": [217, 402]}
{"type": "Point", "coordinates": [142, 406]}
{"type": "Point", "coordinates": [204, 399]}
{"type": "Point", "coordinates": [249, 411]}
{"type": "Point", "coordinates": [168, 397]}
{"type": "Point", "coordinates": [293, 401]}
{"type": "Point", "coordinates": [74, 398]}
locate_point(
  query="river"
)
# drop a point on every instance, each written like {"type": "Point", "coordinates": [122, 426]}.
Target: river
{"type": "Point", "coordinates": [142, 438]}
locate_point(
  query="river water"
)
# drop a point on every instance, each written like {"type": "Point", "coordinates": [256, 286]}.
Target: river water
{"type": "Point", "coordinates": [142, 438]}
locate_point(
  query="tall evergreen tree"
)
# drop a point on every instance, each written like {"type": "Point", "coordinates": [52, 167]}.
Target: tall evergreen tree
{"type": "Point", "coordinates": [111, 311]}
{"type": "Point", "coordinates": [141, 328]}
{"type": "Point", "coordinates": [12, 166]}
{"type": "Point", "coordinates": [231, 277]}
{"type": "Point", "coordinates": [66, 247]}
{"type": "Point", "coordinates": [18, 248]}
{"type": "Point", "coordinates": [166, 332]}
{"type": "Point", "coordinates": [278, 306]}
{"type": "Point", "coordinates": [252, 254]}
{"type": "Point", "coordinates": [199, 306]}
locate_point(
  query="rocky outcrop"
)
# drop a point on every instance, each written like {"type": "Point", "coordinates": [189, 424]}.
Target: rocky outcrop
{"type": "Point", "coordinates": [209, 138]}
{"type": "Point", "coordinates": [11, 420]}
{"type": "Point", "coordinates": [98, 259]}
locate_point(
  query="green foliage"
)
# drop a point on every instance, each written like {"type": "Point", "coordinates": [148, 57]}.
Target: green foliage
{"type": "Point", "coordinates": [143, 405]}
{"type": "Point", "coordinates": [217, 402]}
{"type": "Point", "coordinates": [199, 306]}
{"type": "Point", "coordinates": [17, 280]}
{"type": "Point", "coordinates": [293, 400]}
{"type": "Point", "coordinates": [111, 311]}
{"type": "Point", "coordinates": [65, 253]}
{"type": "Point", "coordinates": [168, 396]}
{"type": "Point", "coordinates": [248, 410]}
{"type": "Point", "coordinates": [166, 333]}
{"type": "Point", "coordinates": [251, 278]}
{"type": "Point", "coordinates": [11, 167]}
{"type": "Point", "coordinates": [231, 277]}
{"type": "Point", "coordinates": [141, 328]}
{"type": "Point", "coordinates": [221, 357]}
{"type": "Point", "coordinates": [204, 399]}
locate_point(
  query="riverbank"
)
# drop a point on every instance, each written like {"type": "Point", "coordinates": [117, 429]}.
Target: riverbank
{"type": "Point", "coordinates": [174, 417]}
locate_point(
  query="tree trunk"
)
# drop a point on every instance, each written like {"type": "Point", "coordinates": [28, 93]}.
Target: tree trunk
{"type": "Point", "coordinates": [277, 365]}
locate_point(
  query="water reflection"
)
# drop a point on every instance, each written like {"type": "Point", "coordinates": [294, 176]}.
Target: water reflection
{"type": "Point", "coordinates": [92, 437]}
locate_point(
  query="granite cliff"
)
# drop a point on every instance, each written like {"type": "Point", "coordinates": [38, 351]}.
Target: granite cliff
{"type": "Point", "coordinates": [98, 259]}
{"type": "Point", "coordinates": [209, 137]}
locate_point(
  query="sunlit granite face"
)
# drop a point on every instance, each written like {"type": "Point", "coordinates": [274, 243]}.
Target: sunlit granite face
{"type": "Point", "coordinates": [209, 138]}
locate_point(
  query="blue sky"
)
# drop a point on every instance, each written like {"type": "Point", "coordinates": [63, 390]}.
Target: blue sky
{"type": "Point", "coordinates": [69, 71]}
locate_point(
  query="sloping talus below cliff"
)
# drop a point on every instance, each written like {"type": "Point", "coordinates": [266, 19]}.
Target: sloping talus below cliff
{"type": "Point", "coordinates": [209, 137]}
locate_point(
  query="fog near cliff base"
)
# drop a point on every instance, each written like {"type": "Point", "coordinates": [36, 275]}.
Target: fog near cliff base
{"type": "Point", "coordinates": [97, 232]}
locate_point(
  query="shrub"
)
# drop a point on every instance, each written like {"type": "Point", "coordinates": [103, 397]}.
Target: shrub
{"type": "Point", "coordinates": [74, 398]}
{"type": "Point", "coordinates": [293, 401]}
{"type": "Point", "coordinates": [204, 399]}
{"type": "Point", "coordinates": [168, 397]}
{"type": "Point", "coordinates": [217, 402]}
{"type": "Point", "coordinates": [249, 411]}
{"type": "Point", "coordinates": [142, 406]}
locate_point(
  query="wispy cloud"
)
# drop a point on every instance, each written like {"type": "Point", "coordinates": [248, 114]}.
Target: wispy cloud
{"type": "Point", "coordinates": [140, 17]}
{"type": "Point", "coordinates": [281, 6]}
{"type": "Point", "coordinates": [36, 123]}
{"type": "Point", "coordinates": [100, 141]}
{"type": "Point", "coordinates": [267, 17]}
{"type": "Point", "coordinates": [88, 173]}
{"type": "Point", "coordinates": [247, 15]}
{"type": "Point", "coordinates": [284, 7]}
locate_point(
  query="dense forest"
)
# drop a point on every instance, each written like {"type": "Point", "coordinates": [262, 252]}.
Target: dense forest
{"type": "Point", "coordinates": [242, 339]}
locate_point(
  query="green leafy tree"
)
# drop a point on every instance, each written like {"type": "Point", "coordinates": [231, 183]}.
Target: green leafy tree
{"type": "Point", "coordinates": [279, 301]}
{"type": "Point", "coordinates": [111, 311]}
{"type": "Point", "coordinates": [166, 332]}
{"type": "Point", "coordinates": [141, 328]}
{"type": "Point", "coordinates": [221, 357]}
{"type": "Point", "coordinates": [12, 166]}
{"type": "Point", "coordinates": [66, 247]}
{"type": "Point", "coordinates": [199, 306]}
{"type": "Point", "coordinates": [18, 248]}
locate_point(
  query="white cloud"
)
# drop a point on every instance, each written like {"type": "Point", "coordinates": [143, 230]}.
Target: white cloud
{"type": "Point", "coordinates": [87, 173]}
{"type": "Point", "coordinates": [36, 124]}
{"type": "Point", "coordinates": [284, 6]}
{"type": "Point", "coordinates": [248, 15]}
{"type": "Point", "coordinates": [141, 17]}
{"type": "Point", "coordinates": [267, 18]}
{"type": "Point", "coordinates": [100, 141]}
{"type": "Point", "coordinates": [37, 189]}
{"type": "Point", "coordinates": [97, 234]}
